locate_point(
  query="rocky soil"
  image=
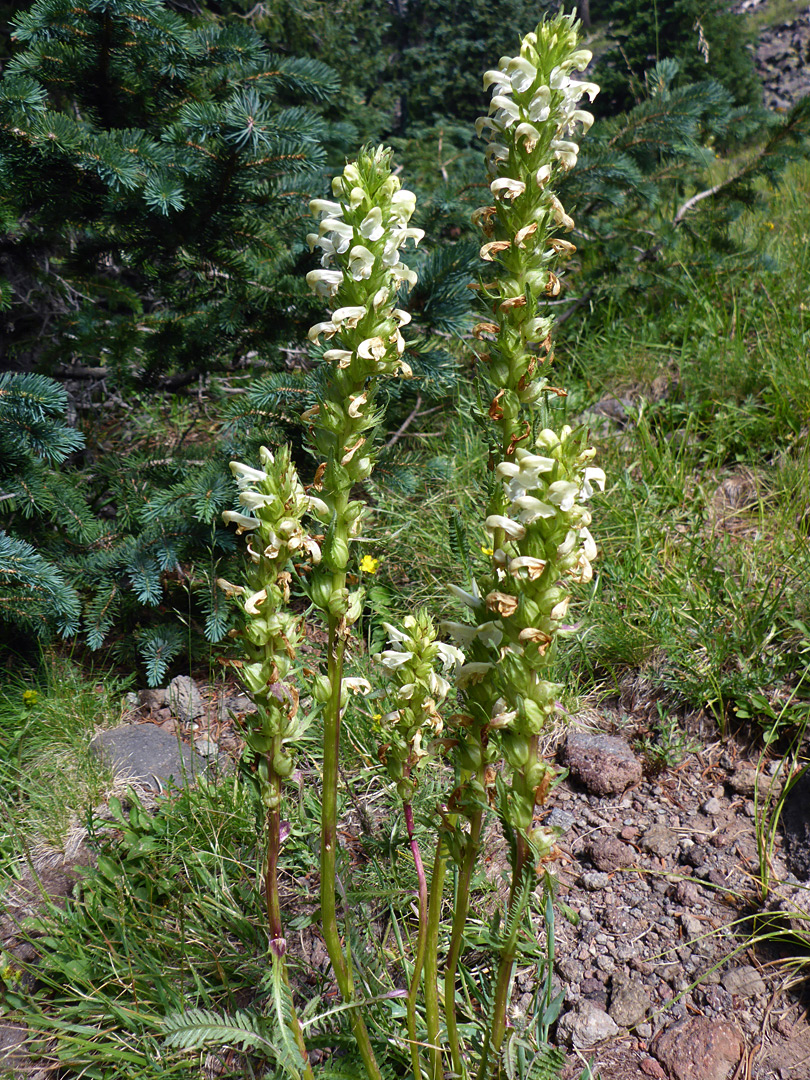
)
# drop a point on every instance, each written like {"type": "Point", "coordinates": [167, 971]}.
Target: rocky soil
{"type": "Point", "coordinates": [783, 56]}
{"type": "Point", "coordinates": [661, 873]}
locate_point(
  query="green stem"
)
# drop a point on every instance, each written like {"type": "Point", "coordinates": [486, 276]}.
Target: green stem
{"type": "Point", "coordinates": [278, 943]}
{"type": "Point", "coordinates": [421, 943]}
{"type": "Point", "coordinates": [507, 961]}
{"type": "Point", "coordinates": [436, 1071]}
{"type": "Point", "coordinates": [462, 907]}
{"type": "Point", "coordinates": [331, 751]}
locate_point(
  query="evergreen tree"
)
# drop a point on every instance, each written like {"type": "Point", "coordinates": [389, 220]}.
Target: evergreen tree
{"type": "Point", "coordinates": [706, 38]}
{"type": "Point", "coordinates": [35, 595]}
{"type": "Point", "coordinates": [152, 169]}
{"type": "Point", "coordinates": [406, 65]}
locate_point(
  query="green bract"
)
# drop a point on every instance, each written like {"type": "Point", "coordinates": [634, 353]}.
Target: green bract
{"type": "Point", "coordinates": [418, 690]}
{"type": "Point", "coordinates": [271, 633]}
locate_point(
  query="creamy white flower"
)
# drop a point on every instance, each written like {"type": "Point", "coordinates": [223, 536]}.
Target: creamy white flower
{"type": "Point", "coordinates": [325, 282]}
{"type": "Point", "coordinates": [253, 602]}
{"type": "Point", "coordinates": [356, 685]}
{"type": "Point", "coordinates": [246, 475]}
{"type": "Point", "coordinates": [567, 546]}
{"type": "Point", "coordinates": [438, 686]}
{"type": "Point", "coordinates": [559, 214]}
{"type": "Point", "coordinates": [535, 567]}
{"type": "Point", "coordinates": [326, 207]}
{"type": "Point", "coordinates": [589, 88]}
{"type": "Point", "coordinates": [393, 660]}
{"type": "Point", "coordinates": [559, 610]}
{"type": "Point", "coordinates": [507, 106]}
{"type": "Point", "coordinates": [580, 60]}
{"type": "Point", "coordinates": [255, 500]}
{"type": "Point", "coordinates": [328, 329]}
{"type": "Point", "coordinates": [403, 273]}
{"type": "Point", "coordinates": [563, 493]}
{"type": "Point", "coordinates": [484, 122]}
{"type": "Point", "coordinates": [581, 116]}
{"type": "Point", "coordinates": [372, 348]}
{"type": "Point", "coordinates": [463, 633]}
{"type": "Point", "coordinates": [499, 79]}
{"type": "Point", "coordinates": [361, 262]}
{"type": "Point", "coordinates": [513, 529]}
{"type": "Point", "coordinates": [230, 589]}
{"type": "Point", "coordinates": [390, 255]}
{"type": "Point", "coordinates": [522, 74]}
{"type": "Point", "coordinates": [588, 544]}
{"type": "Point", "coordinates": [527, 509]}
{"type": "Point", "coordinates": [471, 599]}
{"type": "Point", "coordinates": [565, 152]}
{"type": "Point", "coordinates": [351, 316]}
{"type": "Point", "coordinates": [396, 635]}
{"type": "Point", "coordinates": [598, 478]}
{"type": "Point", "coordinates": [341, 356]}
{"type": "Point", "coordinates": [449, 655]}
{"type": "Point", "coordinates": [242, 522]}
{"type": "Point", "coordinates": [371, 227]}
{"type": "Point", "coordinates": [507, 188]}
{"type": "Point", "coordinates": [542, 175]}
{"type": "Point", "coordinates": [400, 236]}
{"type": "Point", "coordinates": [318, 507]}
{"type": "Point", "coordinates": [472, 673]}
{"type": "Point", "coordinates": [403, 204]}
{"type": "Point", "coordinates": [539, 107]}
{"type": "Point", "coordinates": [339, 232]}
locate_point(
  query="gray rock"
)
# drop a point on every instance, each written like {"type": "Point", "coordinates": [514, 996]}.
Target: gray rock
{"type": "Point", "coordinates": [608, 853]}
{"type": "Point", "coordinates": [605, 764]}
{"type": "Point", "coordinates": [712, 806]}
{"type": "Point", "coordinates": [795, 823]}
{"type": "Point", "coordinates": [593, 881]}
{"type": "Point", "coordinates": [629, 1001]}
{"type": "Point", "coordinates": [206, 747]}
{"type": "Point", "coordinates": [13, 1038]}
{"type": "Point", "coordinates": [585, 1026]}
{"type": "Point", "coordinates": [570, 969]}
{"type": "Point", "coordinates": [659, 840]}
{"type": "Point", "coordinates": [560, 819]}
{"type": "Point", "coordinates": [185, 699]}
{"type": "Point", "coordinates": [151, 700]}
{"type": "Point", "coordinates": [700, 1049]}
{"type": "Point", "coordinates": [147, 754]}
{"type": "Point", "coordinates": [692, 927]}
{"type": "Point", "coordinates": [234, 705]}
{"type": "Point", "coordinates": [744, 981]}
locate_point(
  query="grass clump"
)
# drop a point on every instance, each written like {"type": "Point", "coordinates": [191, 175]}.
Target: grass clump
{"type": "Point", "coordinates": [49, 781]}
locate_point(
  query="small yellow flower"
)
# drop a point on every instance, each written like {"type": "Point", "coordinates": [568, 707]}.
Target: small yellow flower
{"type": "Point", "coordinates": [377, 716]}
{"type": "Point", "coordinates": [486, 550]}
{"type": "Point", "coordinates": [368, 564]}
{"type": "Point", "coordinates": [769, 225]}
{"type": "Point", "coordinates": [30, 697]}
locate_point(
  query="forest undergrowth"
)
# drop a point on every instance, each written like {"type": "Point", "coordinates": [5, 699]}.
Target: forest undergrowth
{"type": "Point", "coordinates": [690, 370]}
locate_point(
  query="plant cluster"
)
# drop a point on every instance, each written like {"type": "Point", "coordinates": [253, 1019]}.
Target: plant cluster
{"type": "Point", "coordinates": [540, 540]}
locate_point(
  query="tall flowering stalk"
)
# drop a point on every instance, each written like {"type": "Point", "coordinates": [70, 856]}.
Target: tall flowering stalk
{"type": "Point", "coordinates": [271, 635]}
{"type": "Point", "coordinates": [536, 519]}
{"type": "Point", "coordinates": [360, 236]}
{"type": "Point", "coordinates": [407, 733]}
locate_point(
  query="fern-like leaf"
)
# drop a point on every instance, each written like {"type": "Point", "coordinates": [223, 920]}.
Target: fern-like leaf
{"type": "Point", "coordinates": [196, 1028]}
